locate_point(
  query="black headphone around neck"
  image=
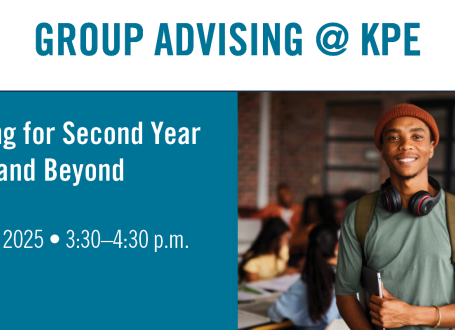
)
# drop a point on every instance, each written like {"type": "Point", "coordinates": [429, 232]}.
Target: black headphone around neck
{"type": "Point", "coordinates": [421, 203]}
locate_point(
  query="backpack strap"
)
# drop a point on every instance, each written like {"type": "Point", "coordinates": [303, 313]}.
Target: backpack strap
{"type": "Point", "coordinates": [363, 215]}
{"type": "Point", "coordinates": [450, 213]}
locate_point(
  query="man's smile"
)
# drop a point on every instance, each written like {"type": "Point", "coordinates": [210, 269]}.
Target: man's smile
{"type": "Point", "coordinates": [407, 160]}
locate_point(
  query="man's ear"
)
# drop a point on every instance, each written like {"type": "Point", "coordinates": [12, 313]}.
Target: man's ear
{"type": "Point", "coordinates": [431, 149]}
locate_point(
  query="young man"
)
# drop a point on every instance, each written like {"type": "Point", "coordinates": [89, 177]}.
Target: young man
{"type": "Point", "coordinates": [284, 209]}
{"type": "Point", "coordinates": [413, 253]}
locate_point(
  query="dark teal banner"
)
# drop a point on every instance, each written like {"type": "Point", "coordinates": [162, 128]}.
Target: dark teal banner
{"type": "Point", "coordinates": [153, 247]}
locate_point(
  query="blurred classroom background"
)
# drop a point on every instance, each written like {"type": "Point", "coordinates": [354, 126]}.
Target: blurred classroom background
{"type": "Point", "coordinates": [319, 146]}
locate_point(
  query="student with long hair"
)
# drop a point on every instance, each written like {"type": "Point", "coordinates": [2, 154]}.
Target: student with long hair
{"type": "Point", "coordinates": [268, 256]}
{"type": "Point", "coordinates": [310, 302]}
{"type": "Point", "coordinates": [317, 210]}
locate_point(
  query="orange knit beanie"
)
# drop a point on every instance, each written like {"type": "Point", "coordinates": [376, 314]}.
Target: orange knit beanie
{"type": "Point", "coordinates": [405, 110]}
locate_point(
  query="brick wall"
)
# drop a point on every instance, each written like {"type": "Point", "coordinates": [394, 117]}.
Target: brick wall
{"type": "Point", "coordinates": [297, 137]}
{"type": "Point", "coordinates": [301, 142]}
{"type": "Point", "coordinates": [248, 144]}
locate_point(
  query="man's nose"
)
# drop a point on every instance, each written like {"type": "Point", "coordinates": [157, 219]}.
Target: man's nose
{"type": "Point", "coordinates": [406, 144]}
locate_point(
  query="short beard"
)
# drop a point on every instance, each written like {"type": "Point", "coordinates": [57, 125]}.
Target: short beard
{"type": "Point", "coordinates": [407, 177]}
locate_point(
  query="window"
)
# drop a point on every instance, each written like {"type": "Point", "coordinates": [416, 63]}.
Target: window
{"type": "Point", "coordinates": [442, 165]}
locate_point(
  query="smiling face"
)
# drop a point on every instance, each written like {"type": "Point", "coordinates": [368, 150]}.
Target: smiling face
{"type": "Point", "coordinates": [407, 147]}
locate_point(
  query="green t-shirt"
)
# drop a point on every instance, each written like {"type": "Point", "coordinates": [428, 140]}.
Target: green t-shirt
{"type": "Point", "coordinates": [413, 255]}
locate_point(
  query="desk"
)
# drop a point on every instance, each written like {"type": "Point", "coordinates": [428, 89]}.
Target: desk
{"type": "Point", "coordinates": [253, 315]}
{"type": "Point", "coordinates": [259, 309]}
{"type": "Point", "coordinates": [285, 325]}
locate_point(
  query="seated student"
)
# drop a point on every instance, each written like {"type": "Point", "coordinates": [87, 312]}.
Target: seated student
{"type": "Point", "coordinates": [268, 256]}
{"type": "Point", "coordinates": [310, 302]}
{"type": "Point", "coordinates": [284, 209]}
{"type": "Point", "coordinates": [317, 209]}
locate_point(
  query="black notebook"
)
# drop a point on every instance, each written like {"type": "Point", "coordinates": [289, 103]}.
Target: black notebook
{"type": "Point", "coordinates": [370, 280]}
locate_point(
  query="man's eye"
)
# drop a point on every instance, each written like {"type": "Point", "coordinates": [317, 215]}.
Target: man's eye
{"type": "Point", "coordinates": [393, 138]}
{"type": "Point", "coordinates": [418, 136]}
